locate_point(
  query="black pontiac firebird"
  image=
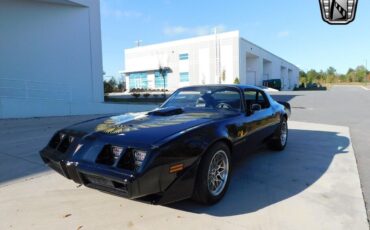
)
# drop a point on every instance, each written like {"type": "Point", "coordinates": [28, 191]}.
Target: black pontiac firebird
{"type": "Point", "coordinates": [181, 150]}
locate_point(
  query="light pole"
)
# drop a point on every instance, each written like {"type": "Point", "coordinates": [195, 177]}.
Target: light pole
{"type": "Point", "coordinates": [138, 43]}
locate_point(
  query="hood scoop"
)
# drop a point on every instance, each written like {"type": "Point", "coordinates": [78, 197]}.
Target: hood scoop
{"type": "Point", "coordinates": [169, 111]}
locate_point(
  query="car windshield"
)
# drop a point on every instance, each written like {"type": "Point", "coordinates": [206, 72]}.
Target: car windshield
{"type": "Point", "coordinates": [218, 97]}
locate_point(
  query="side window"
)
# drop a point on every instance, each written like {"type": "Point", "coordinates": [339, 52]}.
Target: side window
{"type": "Point", "coordinates": [231, 98]}
{"type": "Point", "coordinates": [255, 97]}
{"type": "Point", "coordinates": [250, 97]}
{"type": "Point", "coordinates": [262, 100]}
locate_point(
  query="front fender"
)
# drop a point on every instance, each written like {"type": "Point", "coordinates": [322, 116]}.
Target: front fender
{"type": "Point", "coordinates": [187, 149]}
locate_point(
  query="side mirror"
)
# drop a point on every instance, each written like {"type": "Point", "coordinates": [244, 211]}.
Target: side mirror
{"type": "Point", "coordinates": [256, 107]}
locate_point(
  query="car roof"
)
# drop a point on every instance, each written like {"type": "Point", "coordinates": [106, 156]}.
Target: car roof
{"type": "Point", "coordinates": [239, 86]}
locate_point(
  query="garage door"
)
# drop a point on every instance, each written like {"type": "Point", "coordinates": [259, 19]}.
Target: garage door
{"type": "Point", "coordinates": [251, 78]}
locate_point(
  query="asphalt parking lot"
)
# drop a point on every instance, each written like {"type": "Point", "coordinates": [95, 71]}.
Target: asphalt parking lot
{"type": "Point", "coordinates": [313, 184]}
{"type": "Point", "coordinates": [341, 105]}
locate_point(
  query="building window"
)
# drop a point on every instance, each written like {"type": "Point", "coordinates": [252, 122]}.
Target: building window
{"type": "Point", "coordinates": [184, 56]}
{"type": "Point", "coordinates": [138, 80]}
{"type": "Point", "coordinates": [159, 81]}
{"type": "Point", "coordinates": [184, 77]}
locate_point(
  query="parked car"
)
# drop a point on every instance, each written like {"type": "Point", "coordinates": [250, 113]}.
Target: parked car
{"type": "Point", "coordinates": [181, 150]}
{"type": "Point", "coordinates": [272, 83]}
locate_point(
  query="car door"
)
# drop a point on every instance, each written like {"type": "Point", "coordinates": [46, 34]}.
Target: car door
{"type": "Point", "coordinates": [269, 118]}
{"type": "Point", "coordinates": [256, 122]}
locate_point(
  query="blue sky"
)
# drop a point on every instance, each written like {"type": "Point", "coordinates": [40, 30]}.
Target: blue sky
{"type": "Point", "coordinates": [292, 29]}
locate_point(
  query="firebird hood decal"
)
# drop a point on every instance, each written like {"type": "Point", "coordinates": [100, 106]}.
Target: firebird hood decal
{"type": "Point", "coordinates": [136, 121]}
{"type": "Point", "coordinates": [145, 129]}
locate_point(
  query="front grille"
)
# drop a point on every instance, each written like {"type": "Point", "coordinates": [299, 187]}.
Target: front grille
{"type": "Point", "coordinates": [101, 183]}
{"type": "Point", "coordinates": [127, 161]}
{"type": "Point", "coordinates": [106, 156]}
{"type": "Point", "coordinates": [124, 161]}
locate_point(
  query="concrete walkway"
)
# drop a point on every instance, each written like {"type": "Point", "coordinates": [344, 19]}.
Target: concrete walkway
{"type": "Point", "coordinates": [313, 184]}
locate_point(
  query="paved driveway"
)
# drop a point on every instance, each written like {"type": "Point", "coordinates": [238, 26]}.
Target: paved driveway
{"type": "Point", "coordinates": [313, 184]}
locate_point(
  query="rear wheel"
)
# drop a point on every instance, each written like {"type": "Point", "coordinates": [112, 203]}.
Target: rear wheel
{"type": "Point", "coordinates": [280, 139]}
{"type": "Point", "coordinates": [214, 175]}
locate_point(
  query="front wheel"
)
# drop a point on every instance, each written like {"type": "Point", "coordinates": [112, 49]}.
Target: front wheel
{"type": "Point", "coordinates": [214, 175]}
{"type": "Point", "coordinates": [280, 139]}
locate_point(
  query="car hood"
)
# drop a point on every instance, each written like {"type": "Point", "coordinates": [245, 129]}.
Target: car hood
{"type": "Point", "coordinates": [146, 128]}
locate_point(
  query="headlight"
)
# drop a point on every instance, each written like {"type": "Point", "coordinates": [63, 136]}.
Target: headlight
{"type": "Point", "coordinates": [139, 156]}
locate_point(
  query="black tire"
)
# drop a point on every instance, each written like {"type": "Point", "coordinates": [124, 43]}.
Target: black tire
{"type": "Point", "coordinates": [202, 191]}
{"type": "Point", "coordinates": [276, 143]}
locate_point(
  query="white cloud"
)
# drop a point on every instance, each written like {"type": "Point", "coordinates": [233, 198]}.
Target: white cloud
{"type": "Point", "coordinates": [109, 11]}
{"type": "Point", "coordinates": [197, 30]}
{"type": "Point", "coordinates": [175, 30]}
{"type": "Point", "coordinates": [118, 14]}
{"type": "Point", "coordinates": [283, 34]}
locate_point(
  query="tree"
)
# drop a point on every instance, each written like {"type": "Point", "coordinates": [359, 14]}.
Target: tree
{"type": "Point", "coordinates": [113, 82]}
{"type": "Point", "coordinates": [361, 73]}
{"type": "Point", "coordinates": [120, 87]}
{"type": "Point", "coordinates": [302, 77]}
{"type": "Point", "coordinates": [330, 75]}
{"type": "Point", "coordinates": [163, 72]}
{"type": "Point", "coordinates": [351, 75]}
{"type": "Point", "coordinates": [223, 76]}
{"type": "Point", "coordinates": [312, 76]}
{"type": "Point", "coordinates": [321, 77]}
{"type": "Point", "coordinates": [110, 85]}
{"type": "Point", "coordinates": [331, 71]}
{"type": "Point", "coordinates": [107, 87]}
{"type": "Point", "coordinates": [343, 78]}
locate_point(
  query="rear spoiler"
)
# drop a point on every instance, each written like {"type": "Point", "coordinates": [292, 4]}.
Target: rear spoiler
{"type": "Point", "coordinates": [287, 107]}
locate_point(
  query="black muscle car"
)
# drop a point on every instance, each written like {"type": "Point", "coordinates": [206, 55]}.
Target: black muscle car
{"type": "Point", "coordinates": [180, 150]}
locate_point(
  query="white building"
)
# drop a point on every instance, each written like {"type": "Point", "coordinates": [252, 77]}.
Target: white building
{"type": "Point", "coordinates": [212, 59]}
{"type": "Point", "coordinates": [50, 58]}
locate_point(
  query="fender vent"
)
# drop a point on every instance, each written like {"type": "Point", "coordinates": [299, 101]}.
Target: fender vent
{"type": "Point", "coordinates": [61, 142]}
{"type": "Point", "coordinates": [55, 141]}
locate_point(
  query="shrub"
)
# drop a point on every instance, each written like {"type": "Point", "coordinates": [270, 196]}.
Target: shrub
{"type": "Point", "coordinates": [136, 95]}
{"type": "Point", "coordinates": [155, 95]}
{"type": "Point", "coordinates": [146, 95]}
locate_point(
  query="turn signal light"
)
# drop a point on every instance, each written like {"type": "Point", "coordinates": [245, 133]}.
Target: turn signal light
{"type": "Point", "coordinates": [176, 168]}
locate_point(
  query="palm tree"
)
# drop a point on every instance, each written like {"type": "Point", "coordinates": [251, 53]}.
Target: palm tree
{"type": "Point", "coordinates": [163, 72]}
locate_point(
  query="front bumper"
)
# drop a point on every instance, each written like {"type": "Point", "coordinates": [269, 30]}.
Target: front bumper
{"type": "Point", "coordinates": [118, 182]}
{"type": "Point", "coordinates": [156, 185]}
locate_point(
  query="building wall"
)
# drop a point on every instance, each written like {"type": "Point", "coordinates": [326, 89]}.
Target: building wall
{"type": "Point", "coordinates": [50, 59]}
{"type": "Point", "coordinates": [212, 59]}
{"type": "Point", "coordinates": [257, 64]}
{"type": "Point", "coordinates": [201, 63]}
